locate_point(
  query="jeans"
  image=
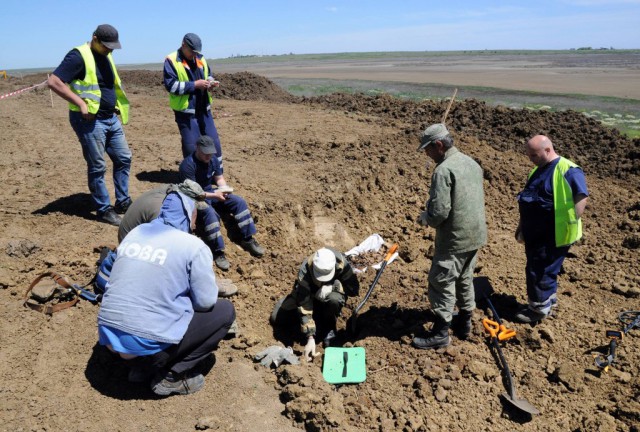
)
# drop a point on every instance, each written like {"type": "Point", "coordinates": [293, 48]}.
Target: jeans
{"type": "Point", "coordinates": [96, 137]}
{"type": "Point", "coordinates": [192, 127]}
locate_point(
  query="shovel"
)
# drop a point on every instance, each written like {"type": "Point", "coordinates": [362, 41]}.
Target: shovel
{"type": "Point", "coordinates": [494, 329]}
{"type": "Point", "coordinates": [354, 315]}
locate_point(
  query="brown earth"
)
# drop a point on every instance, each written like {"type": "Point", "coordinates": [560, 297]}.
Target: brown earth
{"type": "Point", "coordinates": [329, 170]}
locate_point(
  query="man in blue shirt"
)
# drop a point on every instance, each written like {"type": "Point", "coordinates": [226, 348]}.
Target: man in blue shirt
{"type": "Point", "coordinates": [161, 310]}
{"type": "Point", "coordinates": [551, 204]}
{"type": "Point", "coordinates": [88, 80]}
{"type": "Point", "coordinates": [187, 78]}
{"type": "Point", "coordinates": [202, 167]}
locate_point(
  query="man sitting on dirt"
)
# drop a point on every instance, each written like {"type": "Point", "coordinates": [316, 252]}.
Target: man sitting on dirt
{"type": "Point", "coordinates": [147, 208]}
{"type": "Point", "coordinates": [95, 98]}
{"type": "Point", "coordinates": [324, 280]}
{"type": "Point", "coordinates": [551, 205]}
{"type": "Point", "coordinates": [187, 78]}
{"type": "Point", "coordinates": [456, 210]}
{"type": "Point", "coordinates": [202, 167]}
{"type": "Point", "coordinates": [161, 310]}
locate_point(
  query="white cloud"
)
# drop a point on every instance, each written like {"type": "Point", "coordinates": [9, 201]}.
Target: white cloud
{"type": "Point", "coordinates": [332, 9]}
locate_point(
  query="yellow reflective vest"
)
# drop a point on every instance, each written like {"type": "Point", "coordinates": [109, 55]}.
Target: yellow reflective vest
{"type": "Point", "coordinates": [180, 102]}
{"type": "Point", "coordinates": [568, 226]}
{"type": "Point", "coordinates": [89, 90]}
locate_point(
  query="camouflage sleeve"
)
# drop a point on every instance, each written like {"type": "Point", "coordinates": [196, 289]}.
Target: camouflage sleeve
{"type": "Point", "coordinates": [304, 300]}
{"type": "Point", "coordinates": [305, 309]}
{"type": "Point", "coordinates": [349, 280]}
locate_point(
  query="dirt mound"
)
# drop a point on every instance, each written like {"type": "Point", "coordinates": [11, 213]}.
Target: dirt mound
{"type": "Point", "coordinates": [238, 86]}
{"type": "Point", "coordinates": [141, 78]}
{"type": "Point", "coordinates": [330, 172]}
{"type": "Point", "coordinates": [249, 86]}
{"type": "Point", "coordinates": [586, 141]}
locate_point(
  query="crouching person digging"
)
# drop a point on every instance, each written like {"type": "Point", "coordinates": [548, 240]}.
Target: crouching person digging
{"type": "Point", "coordinates": [161, 311]}
{"type": "Point", "coordinates": [456, 210]}
{"type": "Point", "coordinates": [324, 281]}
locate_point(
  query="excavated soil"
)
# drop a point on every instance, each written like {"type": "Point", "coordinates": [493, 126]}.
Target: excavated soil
{"type": "Point", "coordinates": [322, 171]}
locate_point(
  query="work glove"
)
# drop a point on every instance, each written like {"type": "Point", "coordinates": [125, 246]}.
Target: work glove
{"type": "Point", "coordinates": [276, 355]}
{"type": "Point", "coordinates": [323, 292]}
{"type": "Point", "coordinates": [337, 286]}
{"type": "Point", "coordinates": [310, 349]}
{"type": "Point", "coordinates": [422, 219]}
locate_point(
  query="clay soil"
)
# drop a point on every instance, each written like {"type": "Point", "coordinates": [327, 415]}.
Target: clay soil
{"type": "Point", "coordinates": [322, 171]}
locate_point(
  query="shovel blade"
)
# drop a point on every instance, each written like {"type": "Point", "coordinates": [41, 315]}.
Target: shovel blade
{"type": "Point", "coordinates": [521, 404]}
{"type": "Point", "coordinates": [351, 323]}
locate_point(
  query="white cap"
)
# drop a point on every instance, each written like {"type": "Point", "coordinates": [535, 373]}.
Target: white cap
{"type": "Point", "coordinates": [324, 265]}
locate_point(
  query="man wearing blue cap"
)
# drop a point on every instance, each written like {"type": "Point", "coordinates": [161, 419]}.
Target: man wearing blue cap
{"type": "Point", "coordinates": [87, 78]}
{"type": "Point", "coordinates": [187, 78]}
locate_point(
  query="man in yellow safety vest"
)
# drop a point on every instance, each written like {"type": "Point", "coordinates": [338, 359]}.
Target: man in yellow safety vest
{"type": "Point", "coordinates": [87, 78]}
{"type": "Point", "coordinates": [551, 204]}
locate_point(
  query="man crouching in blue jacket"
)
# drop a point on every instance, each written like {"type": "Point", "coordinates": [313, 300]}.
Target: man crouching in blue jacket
{"type": "Point", "coordinates": [160, 310]}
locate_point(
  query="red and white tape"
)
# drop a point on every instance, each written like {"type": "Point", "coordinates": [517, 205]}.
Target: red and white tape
{"type": "Point", "coordinates": [13, 93]}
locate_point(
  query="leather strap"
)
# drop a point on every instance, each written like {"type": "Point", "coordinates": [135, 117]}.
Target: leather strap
{"type": "Point", "coordinates": [45, 308]}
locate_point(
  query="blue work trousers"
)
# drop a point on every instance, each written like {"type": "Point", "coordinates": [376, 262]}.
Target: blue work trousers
{"type": "Point", "coordinates": [97, 137]}
{"type": "Point", "coordinates": [210, 220]}
{"type": "Point", "coordinates": [192, 127]}
{"type": "Point", "coordinates": [543, 266]}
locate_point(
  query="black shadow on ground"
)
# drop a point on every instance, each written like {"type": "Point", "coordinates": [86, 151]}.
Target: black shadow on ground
{"type": "Point", "coordinates": [390, 322]}
{"type": "Point", "coordinates": [505, 305]}
{"type": "Point", "coordinates": [79, 204]}
{"type": "Point", "coordinates": [107, 373]}
{"type": "Point", "coordinates": [161, 176]}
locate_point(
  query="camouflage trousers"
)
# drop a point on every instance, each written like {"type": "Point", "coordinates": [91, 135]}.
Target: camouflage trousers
{"type": "Point", "coordinates": [451, 283]}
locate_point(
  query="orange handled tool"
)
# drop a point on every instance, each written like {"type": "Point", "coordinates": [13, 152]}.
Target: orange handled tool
{"type": "Point", "coordinates": [497, 329]}
{"type": "Point", "coordinates": [354, 315]}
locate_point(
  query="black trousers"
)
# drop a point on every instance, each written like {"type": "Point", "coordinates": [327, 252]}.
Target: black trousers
{"type": "Point", "coordinates": [205, 331]}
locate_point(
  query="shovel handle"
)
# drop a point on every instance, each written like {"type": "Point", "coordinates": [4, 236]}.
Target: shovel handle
{"type": "Point", "coordinates": [497, 330]}
{"type": "Point", "coordinates": [505, 333]}
{"type": "Point", "coordinates": [491, 327]}
{"type": "Point", "coordinates": [393, 250]}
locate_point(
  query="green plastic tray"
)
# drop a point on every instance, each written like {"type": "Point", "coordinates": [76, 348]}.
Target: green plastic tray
{"type": "Point", "coordinates": [333, 369]}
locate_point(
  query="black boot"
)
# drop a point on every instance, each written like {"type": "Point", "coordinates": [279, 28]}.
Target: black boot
{"type": "Point", "coordinates": [437, 337]}
{"type": "Point", "coordinates": [462, 324]}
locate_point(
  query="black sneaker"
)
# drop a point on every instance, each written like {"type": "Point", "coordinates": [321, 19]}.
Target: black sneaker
{"type": "Point", "coordinates": [461, 325]}
{"type": "Point", "coordinates": [221, 261]}
{"type": "Point", "coordinates": [121, 208]}
{"type": "Point", "coordinates": [437, 337]}
{"type": "Point", "coordinates": [433, 341]}
{"type": "Point", "coordinates": [140, 374]}
{"type": "Point", "coordinates": [169, 383]}
{"type": "Point", "coordinates": [252, 246]}
{"type": "Point", "coordinates": [529, 316]}
{"type": "Point", "coordinates": [109, 217]}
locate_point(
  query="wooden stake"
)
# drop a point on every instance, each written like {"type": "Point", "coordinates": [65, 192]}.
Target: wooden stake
{"type": "Point", "coordinates": [444, 117]}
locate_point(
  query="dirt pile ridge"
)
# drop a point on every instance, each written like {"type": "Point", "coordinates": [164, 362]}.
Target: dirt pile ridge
{"type": "Point", "coordinates": [315, 171]}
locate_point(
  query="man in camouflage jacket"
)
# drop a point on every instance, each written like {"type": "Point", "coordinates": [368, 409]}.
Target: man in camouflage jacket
{"type": "Point", "coordinates": [324, 281]}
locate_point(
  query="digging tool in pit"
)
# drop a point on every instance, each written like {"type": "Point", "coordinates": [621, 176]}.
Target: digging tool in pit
{"type": "Point", "coordinates": [354, 315]}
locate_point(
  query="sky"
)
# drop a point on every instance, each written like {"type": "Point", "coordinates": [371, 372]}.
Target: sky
{"type": "Point", "coordinates": [38, 33]}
